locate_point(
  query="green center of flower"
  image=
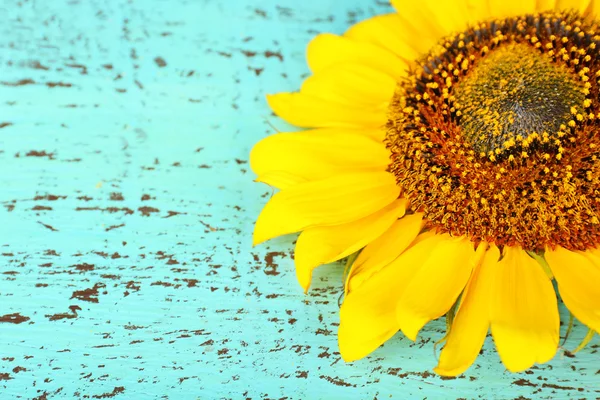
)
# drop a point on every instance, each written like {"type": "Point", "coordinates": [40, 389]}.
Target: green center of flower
{"type": "Point", "coordinates": [515, 94]}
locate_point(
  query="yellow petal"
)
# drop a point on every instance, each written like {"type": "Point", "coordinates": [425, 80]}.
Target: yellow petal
{"type": "Point", "coordinates": [319, 153]}
{"type": "Point", "coordinates": [545, 5]}
{"type": "Point", "coordinates": [593, 9]}
{"type": "Point", "coordinates": [511, 8]}
{"type": "Point", "coordinates": [419, 16]}
{"type": "Point", "coordinates": [368, 314]}
{"type": "Point", "coordinates": [279, 179]}
{"type": "Point", "coordinates": [384, 249]}
{"type": "Point", "coordinates": [578, 276]}
{"type": "Point", "coordinates": [325, 244]}
{"type": "Point", "coordinates": [326, 50]}
{"type": "Point", "coordinates": [436, 284]}
{"type": "Point", "coordinates": [351, 84]}
{"type": "Point", "coordinates": [438, 18]}
{"type": "Point", "coordinates": [472, 321]}
{"type": "Point", "coordinates": [347, 94]}
{"type": "Point", "coordinates": [523, 311]}
{"type": "Point", "coordinates": [478, 10]}
{"type": "Point", "coordinates": [583, 312]}
{"type": "Point", "coordinates": [390, 32]}
{"type": "Point", "coordinates": [332, 201]}
{"type": "Point", "coordinates": [451, 15]}
{"type": "Point", "coordinates": [577, 273]}
{"type": "Point", "coordinates": [312, 112]}
{"type": "Point", "coordinates": [578, 5]}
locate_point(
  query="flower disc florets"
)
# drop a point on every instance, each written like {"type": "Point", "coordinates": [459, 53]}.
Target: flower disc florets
{"type": "Point", "coordinates": [496, 133]}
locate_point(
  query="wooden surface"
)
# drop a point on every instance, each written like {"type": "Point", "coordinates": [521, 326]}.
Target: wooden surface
{"type": "Point", "coordinates": [127, 207]}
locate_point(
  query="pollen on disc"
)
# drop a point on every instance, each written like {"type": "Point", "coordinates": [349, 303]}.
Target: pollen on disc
{"type": "Point", "coordinates": [517, 93]}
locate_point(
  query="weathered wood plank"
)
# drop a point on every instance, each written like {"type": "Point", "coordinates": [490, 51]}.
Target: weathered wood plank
{"type": "Point", "coordinates": [126, 267]}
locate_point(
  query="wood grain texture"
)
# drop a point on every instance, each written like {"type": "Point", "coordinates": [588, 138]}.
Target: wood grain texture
{"type": "Point", "coordinates": [127, 205]}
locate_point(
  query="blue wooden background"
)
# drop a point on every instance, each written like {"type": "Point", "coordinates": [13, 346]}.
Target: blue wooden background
{"type": "Point", "coordinates": [127, 205]}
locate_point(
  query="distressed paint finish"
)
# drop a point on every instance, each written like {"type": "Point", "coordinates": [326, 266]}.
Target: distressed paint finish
{"type": "Point", "coordinates": [127, 206]}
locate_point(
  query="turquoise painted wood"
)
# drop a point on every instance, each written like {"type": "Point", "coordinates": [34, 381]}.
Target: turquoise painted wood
{"type": "Point", "coordinates": [127, 205]}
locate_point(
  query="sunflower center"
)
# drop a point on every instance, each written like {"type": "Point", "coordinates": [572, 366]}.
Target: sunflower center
{"type": "Point", "coordinates": [496, 134]}
{"type": "Point", "coordinates": [515, 94]}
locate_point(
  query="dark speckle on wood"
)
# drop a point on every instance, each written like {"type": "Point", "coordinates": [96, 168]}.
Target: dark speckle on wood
{"type": "Point", "coordinates": [21, 82]}
{"type": "Point", "coordinates": [42, 153]}
{"type": "Point", "coordinates": [38, 65]}
{"type": "Point", "coordinates": [89, 294]}
{"type": "Point", "coordinates": [116, 196]}
{"type": "Point", "coordinates": [68, 315]}
{"type": "Point", "coordinates": [147, 211]}
{"type": "Point", "coordinates": [50, 227]}
{"type": "Point", "coordinates": [59, 84]}
{"type": "Point", "coordinates": [160, 62]}
{"type": "Point", "coordinates": [116, 391]}
{"type": "Point", "coordinates": [15, 318]}
{"type": "Point", "coordinates": [5, 376]}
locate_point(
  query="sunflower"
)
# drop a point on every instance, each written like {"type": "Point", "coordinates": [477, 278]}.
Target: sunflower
{"type": "Point", "coordinates": [454, 155]}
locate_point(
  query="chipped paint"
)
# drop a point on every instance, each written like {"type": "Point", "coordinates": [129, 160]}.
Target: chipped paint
{"type": "Point", "coordinates": [127, 208]}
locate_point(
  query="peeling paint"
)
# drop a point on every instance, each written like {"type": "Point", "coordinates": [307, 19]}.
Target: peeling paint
{"type": "Point", "coordinates": [128, 205]}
